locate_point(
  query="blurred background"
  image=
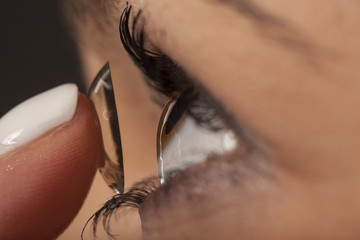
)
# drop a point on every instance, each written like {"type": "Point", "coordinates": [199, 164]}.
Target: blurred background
{"type": "Point", "coordinates": [37, 53]}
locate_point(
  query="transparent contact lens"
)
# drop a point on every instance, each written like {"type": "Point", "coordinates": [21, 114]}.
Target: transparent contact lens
{"type": "Point", "coordinates": [182, 141]}
{"type": "Point", "coordinates": [101, 93]}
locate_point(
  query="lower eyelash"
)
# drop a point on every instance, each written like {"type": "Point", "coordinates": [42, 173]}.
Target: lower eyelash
{"type": "Point", "coordinates": [133, 198]}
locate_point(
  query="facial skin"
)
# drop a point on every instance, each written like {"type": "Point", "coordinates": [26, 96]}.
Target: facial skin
{"type": "Point", "coordinates": [292, 78]}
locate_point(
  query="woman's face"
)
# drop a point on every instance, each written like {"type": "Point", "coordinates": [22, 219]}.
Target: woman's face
{"type": "Point", "coordinates": [288, 71]}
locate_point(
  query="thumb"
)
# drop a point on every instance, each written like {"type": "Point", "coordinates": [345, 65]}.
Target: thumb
{"type": "Point", "coordinates": [50, 149]}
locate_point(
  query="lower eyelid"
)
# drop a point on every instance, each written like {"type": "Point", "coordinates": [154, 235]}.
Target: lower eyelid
{"type": "Point", "coordinates": [201, 183]}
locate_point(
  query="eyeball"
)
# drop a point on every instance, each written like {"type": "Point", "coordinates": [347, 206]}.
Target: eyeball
{"type": "Point", "coordinates": [183, 142]}
{"type": "Point", "coordinates": [101, 94]}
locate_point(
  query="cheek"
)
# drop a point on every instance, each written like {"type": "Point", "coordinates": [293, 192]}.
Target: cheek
{"type": "Point", "coordinates": [244, 217]}
{"type": "Point", "coordinates": [259, 208]}
{"type": "Point", "coordinates": [226, 205]}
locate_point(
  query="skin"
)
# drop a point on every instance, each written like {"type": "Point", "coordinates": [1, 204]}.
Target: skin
{"type": "Point", "coordinates": [44, 183]}
{"type": "Point", "coordinates": [294, 86]}
{"type": "Point", "coordinates": [297, 107]}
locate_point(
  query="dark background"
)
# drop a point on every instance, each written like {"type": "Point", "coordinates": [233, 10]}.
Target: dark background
{"type": "Point", "coordinates": [37, 52]}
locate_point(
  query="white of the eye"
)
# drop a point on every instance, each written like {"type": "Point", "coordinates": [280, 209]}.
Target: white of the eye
{"type": "Point", "coordinates": [193, 144]}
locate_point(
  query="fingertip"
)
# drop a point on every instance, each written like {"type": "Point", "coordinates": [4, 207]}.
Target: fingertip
{"type": "Point", "coordinates": [45, 182]}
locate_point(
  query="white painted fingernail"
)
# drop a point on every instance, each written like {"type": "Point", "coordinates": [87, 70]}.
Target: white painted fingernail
{"type": "Point", "coordinates": [36, 116]}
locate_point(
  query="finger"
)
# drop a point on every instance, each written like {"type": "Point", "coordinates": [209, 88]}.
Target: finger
{"type": "Point", "coordinates": [45, 179]}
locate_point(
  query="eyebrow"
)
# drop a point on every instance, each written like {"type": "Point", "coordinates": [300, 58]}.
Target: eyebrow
{"type": "Point", "coordinates": [251, 10]}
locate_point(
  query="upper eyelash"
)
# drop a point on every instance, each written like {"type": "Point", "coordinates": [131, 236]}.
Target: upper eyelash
{"type": "Point", "coordinates": [167, 77]}
{"type": "Point", "coordinates": [161, 73]}
{"type": "Point", "coordinates": [164, 75]}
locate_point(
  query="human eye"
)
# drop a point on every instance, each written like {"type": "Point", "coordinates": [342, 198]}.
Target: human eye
{"type": "Point", "coordinates": [194, 168]}
{"type": "Point", "coordinates": [195, 129]}
{"type": "Point", "coordinates": [270, 77]}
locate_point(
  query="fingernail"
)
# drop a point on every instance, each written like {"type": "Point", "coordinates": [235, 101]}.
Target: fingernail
{"type": "Point", "coordinates": [37, 115]}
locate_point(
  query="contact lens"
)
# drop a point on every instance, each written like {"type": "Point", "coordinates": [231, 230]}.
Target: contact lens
{"type": "Point", "coordinates": [101, 93]}
{"type": "Point", "coordinates": [182, 141]}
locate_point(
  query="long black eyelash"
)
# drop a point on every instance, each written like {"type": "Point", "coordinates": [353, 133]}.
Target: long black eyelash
{"type": "Point", "coordinates": [133, 198]}
{"type": "Point", "coordinates": [163, 74]}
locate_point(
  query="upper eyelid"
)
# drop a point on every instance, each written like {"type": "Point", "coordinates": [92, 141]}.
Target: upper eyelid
{"type": "Point", "coordinates": [134, 45]}
{"type": "Point", "coordinates": [161, 73]}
